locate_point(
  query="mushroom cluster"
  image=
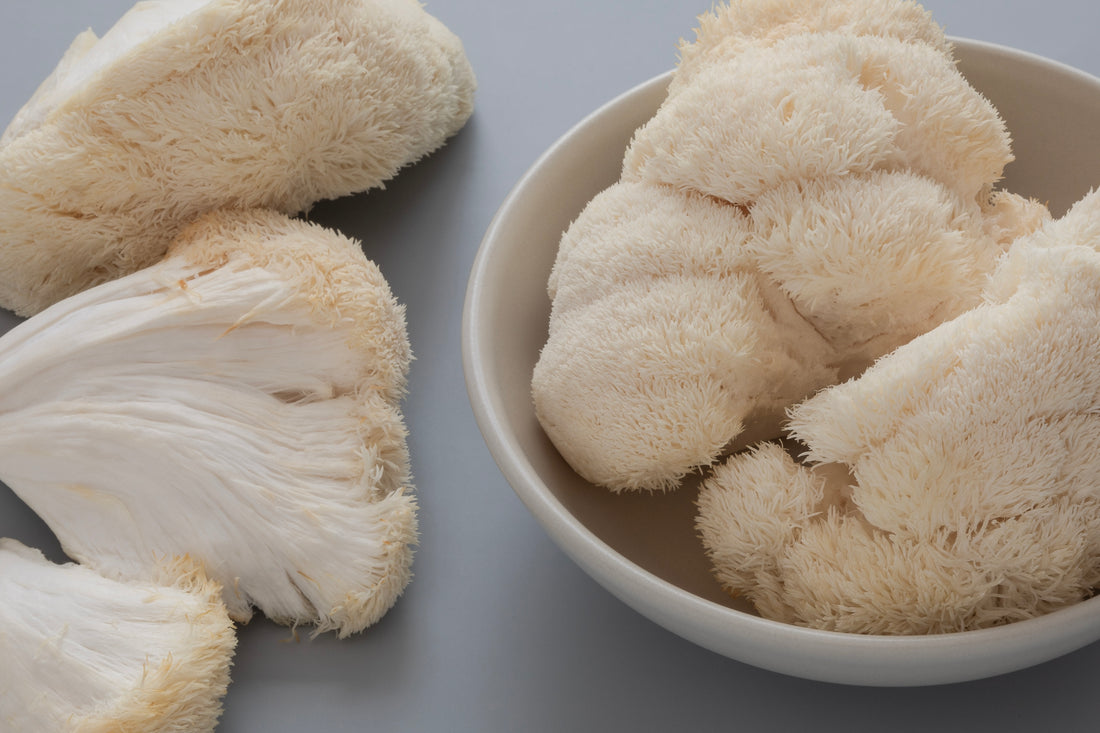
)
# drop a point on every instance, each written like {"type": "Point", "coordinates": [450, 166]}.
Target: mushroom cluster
{"type": "Point", "coordinates": [204, 401]}
{"type": "Point", "coordinates": [806, 289]}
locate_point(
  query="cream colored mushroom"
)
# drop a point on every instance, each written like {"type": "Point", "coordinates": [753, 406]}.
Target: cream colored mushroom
{"type": "Point", "coordinates": [238, 402]}
{"type": "Point", "coordinates": [816, 192]}
{"type": "Point", "coordinates": [956, 484]}
{"type": "Point", "coordinates": [86, 654]}
{"type": "Point", "coordinates": [664, 339]}
{"type": "Point", "coordinates": [186, 106]}
{"type": "Point", "coordinates": [728, 28]}
{"type": "Point", "coordinates": [819, 105]}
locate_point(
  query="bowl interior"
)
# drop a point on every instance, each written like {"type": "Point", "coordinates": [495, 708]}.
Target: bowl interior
{"type": "Point", "coordinates": [1050, 110]}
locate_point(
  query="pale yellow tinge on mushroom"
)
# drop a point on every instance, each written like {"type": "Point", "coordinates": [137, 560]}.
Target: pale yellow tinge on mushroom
{"type": "Point", "coordinates": [816, 189]}
{"type": "Point", "coordinates": [85, 654]}
{"type": "Point", "coordinates": [954, 485]}
{"type": "Point", "coordinates": [184, 107]}
{"type": "Point", "coordinates": [238, 402]}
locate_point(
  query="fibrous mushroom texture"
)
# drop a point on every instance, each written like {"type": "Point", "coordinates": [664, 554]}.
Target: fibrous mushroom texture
{"type": "Point", "coordinates": [956, 484]}
{"type": "Point", "coordinates": [186, 106]}
{"type": "Point", "coordinates": [729, 28]}
{"type": "Point", "coordinates": [815, 190]}
{"type": "Point", "coordinates": [85, 654]}
{"type": "Point", "coordinates": [818, 105]}
{"type": "Point", "coordinates": [664, 339]}
{"type": "Point", "coordinates": [237, 402]}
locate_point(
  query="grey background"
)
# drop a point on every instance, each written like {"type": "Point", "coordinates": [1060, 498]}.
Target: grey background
{"type": "Point", "coordinates": [499, 631]}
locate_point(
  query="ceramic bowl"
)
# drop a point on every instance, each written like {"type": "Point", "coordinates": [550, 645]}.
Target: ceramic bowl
{"type": "Point", "coordinates": [643, 548]}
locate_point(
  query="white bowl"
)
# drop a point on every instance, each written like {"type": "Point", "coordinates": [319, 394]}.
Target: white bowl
{"type": "Point", "coordinates": [643, 548]}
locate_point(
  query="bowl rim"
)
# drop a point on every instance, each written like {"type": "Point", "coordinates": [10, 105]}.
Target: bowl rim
{"type": "Point", "coordinates": [830, 656]}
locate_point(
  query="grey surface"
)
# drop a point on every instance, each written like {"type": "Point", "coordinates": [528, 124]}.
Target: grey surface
{"type": "Point", "coordinates": [499, 631]}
